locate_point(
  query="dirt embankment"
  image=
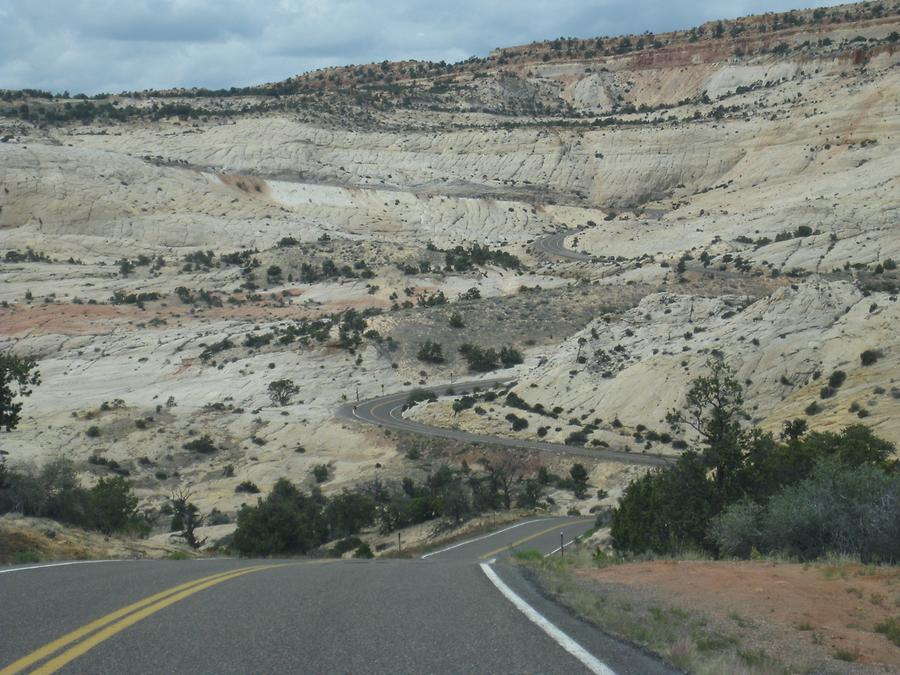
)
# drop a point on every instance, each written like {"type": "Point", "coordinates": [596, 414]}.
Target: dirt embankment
{"type": "Point", "coordinates": [824, 613]}
{"type": "Point", "coordinates": [33, 540]}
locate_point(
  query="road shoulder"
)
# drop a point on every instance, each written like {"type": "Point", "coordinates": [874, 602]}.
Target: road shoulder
{"type": "Point", "coordinates": [620, 656]}
{"type": "Point", "coordinates": [729, 616]}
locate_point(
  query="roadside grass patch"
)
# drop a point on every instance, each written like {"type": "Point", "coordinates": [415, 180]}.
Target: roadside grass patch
{"type": "Point", "coordinates": [687, 639]}
{"type": "Point", "coordinates": [715, 642]}
{"type": "Point", "coordinates": [849, 655]}
{"type": "Point", "coordinates": [528, 554]}
{"type": "Point", "coordinates": [26, 557]}
{"type": "Point", "coordinates": [890, 628]}
{"type": "Point", "coordinates": [178, 555]}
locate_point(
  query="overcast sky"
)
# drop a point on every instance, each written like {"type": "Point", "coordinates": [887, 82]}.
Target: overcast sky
{"type": "Point", "coordinates": [114, 45]}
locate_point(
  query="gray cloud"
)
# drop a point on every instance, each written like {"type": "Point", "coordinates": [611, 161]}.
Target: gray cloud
{"type": "Point", "coordinates": [109, 45]}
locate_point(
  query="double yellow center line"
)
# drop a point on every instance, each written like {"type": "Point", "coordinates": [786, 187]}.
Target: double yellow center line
{"type": "Point", "coordinates": [107, 626]}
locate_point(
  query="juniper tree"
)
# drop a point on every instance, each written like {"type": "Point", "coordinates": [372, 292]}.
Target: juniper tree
{"type": "Point", "coordinates": [713, 409]}
{"type": "Point", "coordinates": [17, 377]}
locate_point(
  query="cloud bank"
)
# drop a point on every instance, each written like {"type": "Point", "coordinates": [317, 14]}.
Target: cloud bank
{"type": "Point", "coordinates": [93, 46]}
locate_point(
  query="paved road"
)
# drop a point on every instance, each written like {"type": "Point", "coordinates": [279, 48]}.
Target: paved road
{"type": "Point", "coordinates": [451, 612]}
{"type": "Point", "coordinates": [386, 411]}
{"type": "Point", "coordinates": [543, 534]}
{"type": "Point", "coordinates": [555, 244]}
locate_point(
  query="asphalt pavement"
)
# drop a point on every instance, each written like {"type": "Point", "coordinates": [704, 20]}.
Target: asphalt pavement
{"type": "Point", "coordinates": [458, 609]}
{"type": "Point", "coordinates": [454, 611]}
{"type": "Point", "coordinates": [555, 244]}
{"type": "Point", "coordinates": [387, 411]}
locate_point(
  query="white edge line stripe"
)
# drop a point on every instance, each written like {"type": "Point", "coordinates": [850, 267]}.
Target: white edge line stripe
{"type": "Point", "coordinates": [556, 550]}
{"type": "Point", "coordinates": [485, 536]}
{"type": "Point", "coordinates": [591, 663]}
{"type": "Point", "coordinates": [60, 564]}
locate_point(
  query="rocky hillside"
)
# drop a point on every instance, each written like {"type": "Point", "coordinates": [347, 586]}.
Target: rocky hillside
{"type": "Point", "coordinates": [167, 255]}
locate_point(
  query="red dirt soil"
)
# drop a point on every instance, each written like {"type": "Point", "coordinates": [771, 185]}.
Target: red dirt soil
{"type": "Point", "coordinates": [842, 602]}
{"type": "Point", "coordinates": [72, 319]}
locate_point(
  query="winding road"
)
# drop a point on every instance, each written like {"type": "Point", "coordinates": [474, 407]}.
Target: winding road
{"type": "Point", "coordinates": [387, 411]}
{"type": "Point", "coordinates": [460, 609]}
{"type": "Point", "coordinates": [555, 244]}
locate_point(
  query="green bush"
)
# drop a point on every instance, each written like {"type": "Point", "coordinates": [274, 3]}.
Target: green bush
{"type": "Point", "coordinates": [363, 551]}
{"type": "Point", "coordinates": [431, 352]}
{"type": "Point", "coordinates": [463, 403]}
{"type": "Point", "coordinates": [114, 506]}
{"type": "Point", "coordinates": [471, 294]}
{"type": "Point", "coordinates": [462, 260]}
{"type": "Point", "coordinates": [419, 396]}
{"type": "Point", "coordinates": [838, 509]}
{"type": "Point", "coordinates": [55, 492]}
{"type": "Point", "coordinates": [282, 391]}
{"type": "Point", "coordinates": [518, 423]}
{"type": "Point", "coordinates": [510, 357]}
{"type": "Point", "coordinates": [342, 546]}
{"type": "Point", "coordinates": [286, 521]}
{"type": "Point", "coordinates": [813, 409]}
{"type": "Point", "coordinates": [890, 628]}
{"type": "Point", "coordinates": [666, 511]}
{"type": "Point", "coordinates": [576, 438]}
{"type": "Point", "coordinates": [52, 492]}
{"type": "Point", "coordinates": [529, 554]}
{"type": "Point", "coordinates": [578, 473]}
{"type": "Point", "coordinates": [738, 530]}
{"type": "Point", "coordinates": [746, 490]}
{"type": "Point", "coordinates": [320, 472]}
{"type": "Point", "coordinates": [216, 517]}
{"type": "Point", "coordinates": [836, 379]}
{"type": "Point", "coordinates": [483, 360]}
{"type": "Point", "coordinates": [349, 512]}
{"type": "Point", "coordinates": [204, 445]}
{"type": "Point", "coordinates": [530, 494]}
{"type": "Point", "coordinates": [27, 557]}
{"type": "Point", "coordinates": [870, 356]}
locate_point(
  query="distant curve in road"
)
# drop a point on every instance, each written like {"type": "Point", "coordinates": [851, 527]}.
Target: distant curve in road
{"type": "Point", "coordinates": [555, 244]}
{"type": "Point", "coordinates": [386, 411]}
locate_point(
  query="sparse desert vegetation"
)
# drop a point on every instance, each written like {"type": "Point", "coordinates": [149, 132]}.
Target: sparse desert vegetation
{"type": "Point", "coordinates": [613, 316]}
{"type": "Point", "coordinates": [677, 247]}
{"type": "Point", "coordinates": [660, 570]}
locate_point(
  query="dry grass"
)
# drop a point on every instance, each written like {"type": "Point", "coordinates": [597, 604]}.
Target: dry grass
{"type": "Point", "coordinates": [689, 640]}
{"type": "Point", "coordinates": [702, 638]}
{"type": "Point", "coordinates": [29, 540]}
{"type": "Point", "coordinates": [20, 546]}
